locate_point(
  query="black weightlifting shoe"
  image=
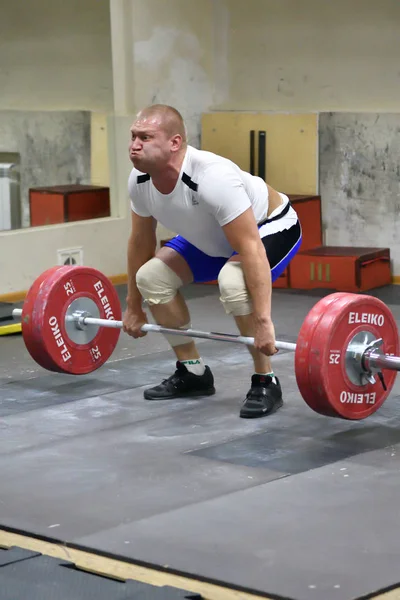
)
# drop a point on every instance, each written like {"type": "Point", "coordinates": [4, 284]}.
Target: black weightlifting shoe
{"type": "Point", "coordinates": [263, 398]}
{"type": "Point", "coordinates": [182, 383]}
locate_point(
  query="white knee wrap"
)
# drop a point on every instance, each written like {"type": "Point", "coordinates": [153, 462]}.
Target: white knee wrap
{"type": "Point", "coordinates": [234, 294]}
{"type": "Point", "coordinates": [157, 283]}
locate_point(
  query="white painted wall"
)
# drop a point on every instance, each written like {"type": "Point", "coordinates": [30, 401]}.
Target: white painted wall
{"type": "Point", "coordinates": [313, 55]}
{"type": "Point", "coordinates": [55, 55]}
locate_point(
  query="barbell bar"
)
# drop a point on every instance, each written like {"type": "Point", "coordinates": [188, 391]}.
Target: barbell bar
{"type": "Point", "coordinates": [370, 358]}
{"type": "Point", "coordinates": [82, 320]}
{"type": "Point", "coordinates": [344, 344]}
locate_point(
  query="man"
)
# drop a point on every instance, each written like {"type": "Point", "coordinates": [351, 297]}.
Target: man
{"type": "Point", "coordinates": [231, 226]}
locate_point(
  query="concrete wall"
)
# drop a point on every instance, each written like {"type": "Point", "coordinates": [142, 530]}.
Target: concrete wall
{"type": "Point", "coordinates": [360, 180]}
{"type": "Point", "coordinates": [99, 150]}
{"type": "Point", "coordinates": [168, 52]}
{"type": "Point", "coordinates": [174, 56]}
{"type": "Point", "coordinates": [54, 148]}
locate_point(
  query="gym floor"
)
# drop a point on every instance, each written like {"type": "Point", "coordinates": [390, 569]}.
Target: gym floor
{"type": "Point", "coordinates": [295, 505]}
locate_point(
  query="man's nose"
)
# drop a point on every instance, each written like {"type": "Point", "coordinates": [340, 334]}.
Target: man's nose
{"type": "Point", "coordinates": [135, 144]}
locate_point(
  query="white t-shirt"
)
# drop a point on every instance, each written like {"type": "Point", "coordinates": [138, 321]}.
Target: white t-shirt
{"type": "Point", "coordinates": [210, 192]}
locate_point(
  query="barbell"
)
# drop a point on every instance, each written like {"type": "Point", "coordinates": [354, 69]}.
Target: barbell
{"type": "Point", "coordinates": [346, 355]}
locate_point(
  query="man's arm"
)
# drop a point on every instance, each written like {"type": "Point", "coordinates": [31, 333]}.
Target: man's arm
{"type": "Point", "coordinates": [141, 248]}
{"type": "Point", "coordinates": [242, 234]}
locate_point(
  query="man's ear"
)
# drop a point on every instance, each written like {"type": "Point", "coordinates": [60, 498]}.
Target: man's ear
{"type": "Point", "coordinates": [176, 142]}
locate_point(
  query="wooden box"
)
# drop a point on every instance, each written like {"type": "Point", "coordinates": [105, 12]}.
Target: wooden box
{"type": "Point", "coordinates": [342, 268]}
{"type": "Point", "coordinates": [63, 203]}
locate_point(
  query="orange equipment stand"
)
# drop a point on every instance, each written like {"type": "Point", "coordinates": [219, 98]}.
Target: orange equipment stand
{"type": "Point", "coordinates": [63, 203]}
{"type": "Point", "coordinates": [344, 268]}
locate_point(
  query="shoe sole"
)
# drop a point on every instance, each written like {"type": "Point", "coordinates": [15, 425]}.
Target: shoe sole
{"type": "Point", "coordinates": [257, 414]}
{"type": "Point", "coordinates": [194, 394]}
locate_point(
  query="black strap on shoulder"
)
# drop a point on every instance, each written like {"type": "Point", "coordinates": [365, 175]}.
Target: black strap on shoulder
{"type": "Point", "coordinates": [281, 214]}
{"type": "Point", "coordinates": [187, 180]}
{"type": "Point", "coordinates": [143, 178]}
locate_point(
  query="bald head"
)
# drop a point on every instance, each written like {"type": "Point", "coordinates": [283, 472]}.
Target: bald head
{"type": "Point", "coordinates": [158, 139]}
{"type": "Point", "coordinates": [165, 117]}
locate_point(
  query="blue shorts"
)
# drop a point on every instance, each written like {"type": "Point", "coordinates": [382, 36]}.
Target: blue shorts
{"type": "Point", "coordinates": [280, 247]}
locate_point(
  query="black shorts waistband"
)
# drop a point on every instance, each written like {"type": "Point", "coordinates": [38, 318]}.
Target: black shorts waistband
{"type": "Point", "coordinates": [281, 214]}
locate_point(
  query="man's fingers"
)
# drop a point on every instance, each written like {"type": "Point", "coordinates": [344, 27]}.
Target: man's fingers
{"type": "Point", "coordinates": [268, 349]}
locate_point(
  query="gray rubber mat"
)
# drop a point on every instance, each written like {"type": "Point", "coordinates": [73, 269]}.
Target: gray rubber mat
{"type": "Point", "coordinates": [326, 534]}
{"type": "Point", "coordinates": [14, 555]}
{"type": "Point", "coordinates": [38, 577]}
{"type": "Point", "coordinates": [279, 452]}
{"type": "Point", "coordinates": [295, 505]}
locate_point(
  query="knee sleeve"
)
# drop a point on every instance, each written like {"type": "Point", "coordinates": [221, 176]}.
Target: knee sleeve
{"type": "Point", "coordinates": [234, 294]}
{"type": "Point", "coordinates": [157, 282]}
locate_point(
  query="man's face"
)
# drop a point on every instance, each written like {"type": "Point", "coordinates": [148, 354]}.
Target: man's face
{"type": "Point", "coordinates": [150, 146]}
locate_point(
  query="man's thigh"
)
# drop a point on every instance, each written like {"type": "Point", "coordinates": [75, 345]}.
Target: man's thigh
{"type": "Point", "coordinates": [190, 263]}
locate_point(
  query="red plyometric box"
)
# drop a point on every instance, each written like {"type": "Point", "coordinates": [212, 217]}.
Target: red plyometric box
{"type": "Point", "coordinates": [283, 280]}
{"type": "Point", "coordinates": [308, 209]}
{"type": "Point", "coordinates": [344, 268]}
{"type": "Point", "coordinates": [63, 203]}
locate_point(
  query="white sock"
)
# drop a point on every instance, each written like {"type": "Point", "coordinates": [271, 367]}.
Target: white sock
{"type": "Point", "coordinates": [270, 374]}
{"type": "Point", "coordinates": [194, 365]}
